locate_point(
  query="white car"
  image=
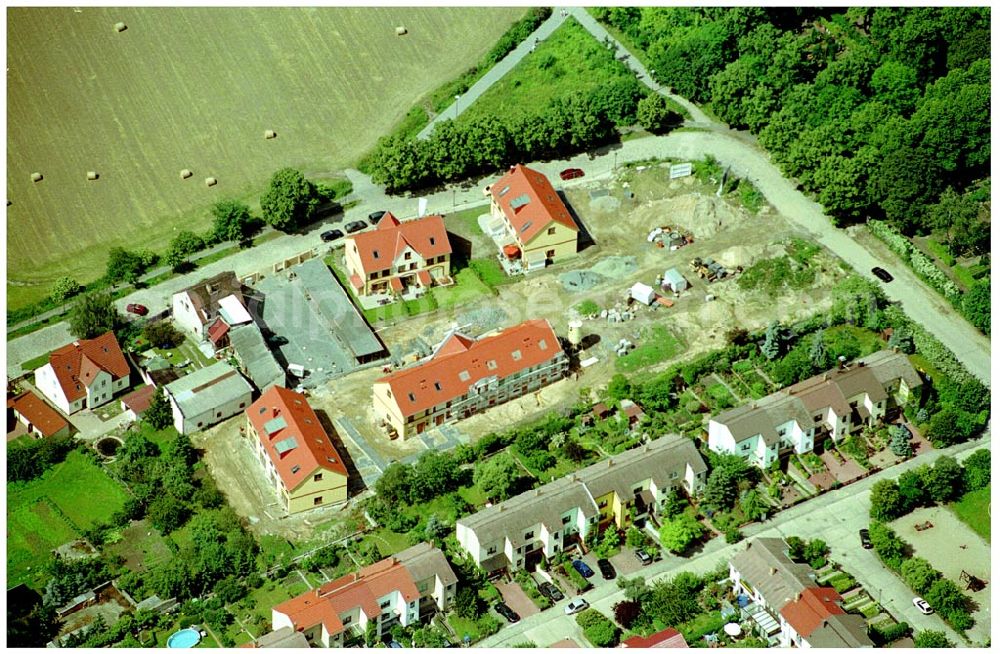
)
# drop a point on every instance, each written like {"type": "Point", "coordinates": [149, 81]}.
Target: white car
{"type": "Point", "coordinates": [922, 606]}
{"type": "Point", "coordinates": [577, 605]}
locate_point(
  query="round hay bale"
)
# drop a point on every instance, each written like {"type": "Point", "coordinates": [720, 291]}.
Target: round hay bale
{"type": "Point", "coordinates": [186, 173]}
{"type": "Point", "coordinates": [92, 175]}
{"type": "Point", "coordinates": [36, 177]}
{"type": "Point", "coordinates": [401, 31]}
{"type": "Point", "coordinates": [211, 181]}
{"type": "Point", "coordinates": [120, 27]}
{"type": "Point", "coordinates": [270, 134]}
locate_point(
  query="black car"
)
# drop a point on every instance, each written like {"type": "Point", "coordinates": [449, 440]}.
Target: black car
{"type": "Point", "coordinates": [355, 226]}
{"type": "Point", "coordinates": [549, 589]}
{"type": "Point", "coordinates": [331, 235]}
{"type": "Point", "coordinates": [507, 612]}
{"type": "Point", "coordinates": [607, 570]}
{"type": "Point", "coordinates": [644, 557]}
{"type": "Point", "coordinates": [866, 541]}
{"type": "Point", "coordinates": [375, 216]}
{"type": "Point", "coordinates": [882, 274]}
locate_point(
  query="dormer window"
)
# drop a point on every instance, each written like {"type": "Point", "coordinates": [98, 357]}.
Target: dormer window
{"type": "Point", "coordinates": [437, 386]}
{"type": "Point", "coordinates": [412, 398]}
{"type": "Point", "coordinates": [542, 345]}
{"type": "Point", "coordinates": [296, 468]}
{"type": "Point", "coordinates": [491, 364]}
{"type": "Point", "coordinates": [464, 375]}
{"type": "Point", "coordinates": [516, 355]}
{"type": "Point", "coordinates": [406, 256]}
{"type": "Point", "coordinates": [374, 254]}
{"type": "Point", "coordinates": [432, 240]}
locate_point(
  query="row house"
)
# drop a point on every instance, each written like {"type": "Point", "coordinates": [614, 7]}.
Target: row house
{"type": "Point", "coordinates": [84, 374]}
{"type": "Point", "coordinates": [610, 494]}
{"type": "Point", "coordinates": [536, 224]}
{"type": "Point", "coordinates": [787, 604]}
{"type": "Point", "coordinates": [397, 256]}
{"type": "Point", "coordinates": [836, 403]}
{"type": "Point", "coordinates": [405, 589]}
{"type": "Point", "coordinates": [295, 451]}
{"type": "Point", "coordinates": [464, 376]}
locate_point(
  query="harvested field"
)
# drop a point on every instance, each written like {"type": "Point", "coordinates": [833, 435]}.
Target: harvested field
{"type": "Point", "coordinates": [195, 88]}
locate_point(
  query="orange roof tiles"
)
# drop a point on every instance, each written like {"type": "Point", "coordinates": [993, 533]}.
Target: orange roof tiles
{"type": "Point", "coordinates": [76, 364]}
{"type": "Point", "coordinates": [812, 609]}
{"type": "Point", "coordinates": [362, 589]}
{"type": "Point", "coordinates": [218, 330]}
{"type": "Point", "coordinates": [310, 448]}
{"type": "Point", "coordinates": [140, 399]}
{"type": "Point", "coordinates": [461, 362]}
{"type": "Point", "coordinates": [378, 248]}
{"type": "Point", "coordinates": [530, 202]}
{"type": "Point", "coordinates": [669, 637]}
{"type": "Point", "coordinates": [35, 410]}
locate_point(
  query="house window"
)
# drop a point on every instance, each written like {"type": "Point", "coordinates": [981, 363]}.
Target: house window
{"type": "Point", "coordinates": [410, 395]}
{"type": "Point", "coordinates": [530, 534]}
{"type": "Point", "coordinates": [296, 468]}
{"type": "Point", "coordinates": [347, 620]}
{"type": "Point", "coordinates": [491, 364]}
{"type": "Point", "coordinates": [603, 503]}
{"type": "Point", "coordinates": [406, 256]}
{"type": "Point", "coordinates": [551, 231]}
{"type": "Point", "coordinates": [242, 404]}
{"type": "Point", "coordinates": [317, 500]}
{"type": "Point", "coordinates": [516, 355]}
{"type": "Point", "coordinates": [566, 520]}
{"type": "Point", "coordinates": [492, 550]}
{"type": "Point", "coordinates": [318, 476]}
{"type": "Point", "coordinates": [550, 254]}
{"type": "Point", "coordinates": [432, 240]}
{"type": "Point", "coordinates": [374, 254]}
{"type": "Point", "coordinates": [437, 386]}
{"type": "Point", "coordinates": [199, 424]}
{"type": "Point", "coordinates": [385, 604]}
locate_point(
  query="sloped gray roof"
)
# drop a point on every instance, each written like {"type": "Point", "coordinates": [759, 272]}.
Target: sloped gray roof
{"type": "Point", "coordinates": [331, 302]}
{"type": "Point", "coordinates": [208, 388]}
{"type": "Point", "coordinates": [888, 366]}
{"type": "Point", "coordinates": [841, 630]}
{"type": "Point", "coordinates": [423, 560]}
{"type": "Point", "coordinates": [286, 637]}
{"type": "Point", "coordinates": [764, 566]}
{"type": "Point", "coordinates": [255, 356]}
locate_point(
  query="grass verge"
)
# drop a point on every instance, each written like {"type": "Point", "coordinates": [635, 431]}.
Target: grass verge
{"type": "Point", "coordinates": [974, 510]}
{"type": "Point", "coordinates": [658, 345]}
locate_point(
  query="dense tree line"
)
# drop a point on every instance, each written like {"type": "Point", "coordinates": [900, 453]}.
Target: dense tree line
{"type": "Point", "coordinates": [877, 110]}
{"type": "Point", "coordinates": [34, 457]}
{"type": "Point", "coordinates": [458, 150]}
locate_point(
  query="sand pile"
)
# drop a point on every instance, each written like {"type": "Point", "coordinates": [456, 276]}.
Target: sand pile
{"type": "Point", "coordinates": [615, 267]}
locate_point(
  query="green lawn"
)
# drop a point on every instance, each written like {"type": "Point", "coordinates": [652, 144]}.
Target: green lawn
{"type": "Point", "coordinates": [388, 542]}
{"type": "Point", "coordinates": [490, 272]}
{"type": "Point", "coordinates": [46, 512]}
{"type": "Point", "coordinates": [473, 495]}
{"type": "Point", "coordinates": [657, 344]}
{"type": "Point", "coordinates": [37, 362]}
{"type": "Point", "coordinates": [467, 287]}
{"type": "Point", "coordinates": [974, 510]}
{"type": "Point", "coordinates": [569, 62]}
{"type": "Point", "coordinates": [186, 350]}
{"type": "Point", "coordinates": [161, 437]}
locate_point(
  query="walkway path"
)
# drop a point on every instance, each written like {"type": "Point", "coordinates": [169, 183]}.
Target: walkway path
{"type": "Point", "coordinates": [493, 75]}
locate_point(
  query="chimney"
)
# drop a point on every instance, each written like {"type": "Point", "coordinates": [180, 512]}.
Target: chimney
{"type": "Point", "coordinates": [842, 362]}
{"type": "Point", "coordinates": [826, 376]}
{"type": "Point", "coordinates": [861, 364]}
{"type": "Point", "coordinates": [611, 462]}
{"type": "Point", "coordinates": [798, 596]}
{"type": "Point", "coordinates": [573, 477]}
{"type": "Point", "coordinates": [275, 411]}
{"type": "Point", "coordinates": [538, 491]}
{"type": "Point", "coordinates": [895, 348]}
{"type": "Point", "coordinates": [773, 571]}
{"type": "Point", "coordinates": [502, 508]}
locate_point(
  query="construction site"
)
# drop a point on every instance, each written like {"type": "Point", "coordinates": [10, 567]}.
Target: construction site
{"type": "Point", "coordinates": [657, 285]}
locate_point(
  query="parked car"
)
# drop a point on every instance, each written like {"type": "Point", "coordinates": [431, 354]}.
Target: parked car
{"type": "Point", "coordinates": [395, 644]}
{"type": "Point", "coordinates": [571, 173]}
{"type": "Point", "coordinates": [331, 235]}
{"type": "Point", "coordinates": [375, 216]}
{"type": "Point", "coordinates": [607, 570]}
{"type": "Point", "coordinates": [922, 606]}
{"type": "Point", "coordinates": [583, 568]}
{"type": "Point", "coordinates": [577, 605]}
{"type": "Point", "coordinates": [137, 309]}
{"type": "Point", "coordinates": [550, 590]}
{"type": "Point", "coordinates": [866, 541]}
{"type": "Point", "coordinates": [644, 557]}
{"type": "Point", "coordinates": [507, 612]}
{"type": "Point", "coordinates": [355, 226]}
{"type": "Point", "coordinates": [882, 274]}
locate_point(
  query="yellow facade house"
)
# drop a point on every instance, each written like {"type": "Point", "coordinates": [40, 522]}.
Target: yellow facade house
{"type": "Point", "coordinates": [539, 228]}
{"type": "Point", "coordinates": [296, 452]}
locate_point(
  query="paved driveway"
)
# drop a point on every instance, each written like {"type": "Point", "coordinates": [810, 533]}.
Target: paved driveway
{"type": "Point", "coordinates": [515, 597]}
{"type": "Point", "coordinates": [625, 562]}
{"type": "Point", "coordinates": [845, 472]}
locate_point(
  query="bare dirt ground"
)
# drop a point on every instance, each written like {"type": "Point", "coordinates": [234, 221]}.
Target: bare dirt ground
{"type": "Point", "coordinates": [951, 547]}
{"type": "Point", "coordinates": [723, 231]}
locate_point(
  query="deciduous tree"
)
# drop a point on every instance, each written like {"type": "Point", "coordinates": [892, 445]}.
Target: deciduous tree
{"type": "Point", "coordinates": [680, 532]}
{"type": "Point", "coordinates": [289, 201]}
{"type": "Point", "coordinates": [232, 221]}
{"type": "Point", "coordinates": [158, 414]}
{"type": "Point", "coordinates": [94, 314]}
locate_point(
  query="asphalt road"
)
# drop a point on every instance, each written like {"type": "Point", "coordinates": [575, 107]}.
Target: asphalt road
{"type": "Point", "coordinates": [729, 147]}
{"type": "Point", "coordinates": [834, 517]}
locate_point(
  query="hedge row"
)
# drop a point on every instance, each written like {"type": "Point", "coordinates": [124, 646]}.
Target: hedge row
{"type": "Point", "coordinates": [916, 260]}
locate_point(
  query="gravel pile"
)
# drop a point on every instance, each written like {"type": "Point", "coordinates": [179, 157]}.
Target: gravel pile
{"type": "Point", "coordinates": [580, 280]}
{"type": "Point", "coordinates": [483, 319]}
{"type": "Point", "coordinates": [615, 267]}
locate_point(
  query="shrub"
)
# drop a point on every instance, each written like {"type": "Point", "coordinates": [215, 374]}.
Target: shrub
{"type": "Point", "coordinates": [65, 288]}
{"type": "Point", "coordinates": [575, 577]}
{"type": "Point", "coordinates": [600, 631]}
{"type": "Point", "coordinates": [885, 634]}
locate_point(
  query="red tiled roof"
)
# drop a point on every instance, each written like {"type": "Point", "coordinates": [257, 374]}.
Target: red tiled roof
{"type": "Point", "coordinates": [312, 448]}
{"type": "Point", "coordinates": [378, 248]}
{"type": "Point", "coordinates": [541, 205]}
{"type": "Point", "coordinates": [812, 609]}
{"type": "Point", "coordinates": [356, 281]}
{"type": "Point", "coordinates": [362, 589]}
{"type": "Point", "coordinates": [424, 278]}
{"type": "Point", "coordinates": [669, 637]}
{"type": "Point", "coordinates": [396, 284]}
{"type": "Point", "coordinates": [218, 330]}
{"type": "Point", "coordinates": [440, 379]}
{"type": "Point", "coordinates": [138, 400]}
{"type": "Point", "coordinates": [36, 411]}
{"type": "Point", "coordinates": [76, 364]}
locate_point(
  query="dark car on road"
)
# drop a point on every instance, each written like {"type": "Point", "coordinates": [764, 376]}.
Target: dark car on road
{"type": "Point", "coordinates": [571, 173]}
{"type": "Point", "coordinates": [355, 226]}
{"type": "Point", "coordinates": [507, 612]}
{"type": "Point", "coordinates": [375, 216]}
{"type": "Point", "coordinates": [644, 557]}
{"type": "Point", "coordinates": [866, 541]}
{"type": "Point", "coordinates": [548, 589]}
{"type": "Point", "coordinates": [137, 309]}
{"type": "Point", "coordinates": [583, 568]}
{"type": "Point", "coordinates": [331, 235]}
{"type": "Point", "coordinates": [882, 274]}
{"type": "Point", "coordinates": [607, 570]}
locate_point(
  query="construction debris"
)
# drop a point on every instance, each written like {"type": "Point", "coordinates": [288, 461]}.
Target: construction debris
{"type": "Point", "coordinates": [623, 347]}
{"type": "Point", "coordinates": [710, 270]}
{"type": "Point", "coordinates": [669, 237]}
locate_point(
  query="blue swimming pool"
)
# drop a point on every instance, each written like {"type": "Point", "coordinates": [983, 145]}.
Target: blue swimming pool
{"type": "Point", "coordinates": [184, 638]}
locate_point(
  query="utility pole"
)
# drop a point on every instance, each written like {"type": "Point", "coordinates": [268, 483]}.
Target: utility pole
{"type": "Point", "coordinates": [456, 106]}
